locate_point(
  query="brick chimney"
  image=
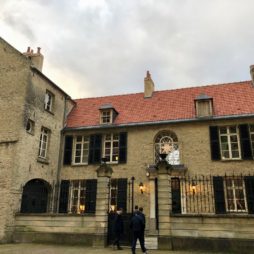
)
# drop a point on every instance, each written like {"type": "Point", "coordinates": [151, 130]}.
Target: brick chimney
{"type": "Point", "coordinates": [149, 85]}
{"type": "Point", "coordinates": [36, 58]}
{"type": "Point", "coordinates": [252, 73]}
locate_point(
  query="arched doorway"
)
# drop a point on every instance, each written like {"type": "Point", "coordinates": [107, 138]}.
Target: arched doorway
{"type": "Point", "coordinates": [35, 196]}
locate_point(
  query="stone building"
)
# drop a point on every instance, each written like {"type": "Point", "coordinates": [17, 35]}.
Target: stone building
{"type": "Point", "coordinates": [184, 155]}
{"type": "Point", "coordinates": [33, 113]}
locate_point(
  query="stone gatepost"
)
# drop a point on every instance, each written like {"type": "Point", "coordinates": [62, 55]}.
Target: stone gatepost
{"type": "Point", "coordinates": [164, 205]}
{"type": "Point", "coordinates": [104, 173]}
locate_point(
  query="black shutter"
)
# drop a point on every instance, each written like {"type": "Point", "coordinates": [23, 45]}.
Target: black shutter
{"type": "Point", "coordinates": [95, 149]}
{"type": "Point", "coordinates": [219, 197]}
{"type": "Point", "coordinates": [245, 142]}
{"type": "Point", "coordinates": [64, 194]}
{"type": "Point", "coordinates": [123, 147]}
{"type": "Point", "coordinates": [122, 193]}
{"type": "Point", "coordinates": [90, 199]}
{"type": "Point", "coordinates": [176, 195]}
{"type": "Point", "coordinates": [68, 150]}
{"type": "Point", "coordinates": [214, 142]}
{"type": "Point", "coordinates": [249, 187]}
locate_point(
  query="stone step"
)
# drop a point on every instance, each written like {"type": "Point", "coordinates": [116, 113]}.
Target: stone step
{"type": "Point", "coordinates": [151, 243]}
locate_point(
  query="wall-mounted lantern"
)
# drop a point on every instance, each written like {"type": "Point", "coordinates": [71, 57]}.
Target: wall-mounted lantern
{"type": "Point", "coordinates": [82, 208]}
{"type": "Point", "coordinates": [194, 187]}
{"type": "Point", "coordinates": [141, 187]}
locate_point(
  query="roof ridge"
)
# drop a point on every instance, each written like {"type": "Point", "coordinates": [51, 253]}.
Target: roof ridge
{"type": "Point", "coordinates": [176, 89]}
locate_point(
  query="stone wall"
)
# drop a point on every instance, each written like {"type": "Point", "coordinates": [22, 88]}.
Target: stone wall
{"type": "Point", "coordinates": [64, 229]}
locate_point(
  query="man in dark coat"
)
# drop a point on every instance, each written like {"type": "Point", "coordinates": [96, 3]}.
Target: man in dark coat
{"type": "Point", "coordinates": [137, 227]}
{"type": "Point", "coordinates": [118, 228]}
{"type": "Point", "coordinates": [142, 236]}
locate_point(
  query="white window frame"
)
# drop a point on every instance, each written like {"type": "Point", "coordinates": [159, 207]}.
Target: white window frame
{"type": "Point", "coordinates": [84, 141]}
{"type": "Point", "coordinates": [43, 144]}
{"type": "Point", "coordinates": [234, 188]}
{"type": "Point", "coordinates": [111, 141]}
{"type": "Point", "coordinates": [173, 153]}
{"type": "Point", "coordinates": [106, 116]}
{"type": "Point", "coordinates": [229, 143]}
{"type": "Point", "coordinates": [48, 102]}
{"type": "Point", "coordinates": [72, 190]}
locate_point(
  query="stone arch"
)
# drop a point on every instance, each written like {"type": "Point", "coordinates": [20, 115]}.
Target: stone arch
{"type": "Point", "coordinates": [35, 196]}
{"type": "Point", "coordinates": [166, 142]}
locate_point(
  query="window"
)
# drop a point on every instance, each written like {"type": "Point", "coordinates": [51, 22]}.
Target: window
{"type": "Point", "coordinates": [252, 136]}
{"type": "Point", "coordinates": [81, 149]}
{"type": "Point", "coordinates": [77, 196]}
{"type": "Point", "coordinates": [111, 147]}
{"type": "Point", "coordinates": [43, 146]}
{"type": "Point", "coordinates": [48, 103]}
{"type": "Point", "coordinates": [30, 126]}
{"type": "Point", "coordinates": [166, 143]}
{"type": "Point", "coordinates": [235, 195]}
{"type": "Point", "coordinates": [204, 105]}
{"type": "Point", "coordinates": [118, 194]}
{"type": "Point", "coordinates": [229, 142]}
{"type": "Point", "coordinates": [106, 116]}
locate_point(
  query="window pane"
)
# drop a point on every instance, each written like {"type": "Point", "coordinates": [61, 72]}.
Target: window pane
{"type": "Point", "coordinates": [224, 139]}
{"type": "Point", "coordinates": [224, 146]}
{"type": "Point", "coordinates": [225, 154]}
{"type": "Point", "coordinates": [233, 138]}
{"type": "Point", "coordinates": [79, 138]}
{"type": "Point", "coordinates": [77, 159]}
{"type": "Point", "coordinates": [232, 129]}
{"type": "Point", "coordinates": [235, 154]}
{"type": "Point", "coordinates": [234, 146]}
{"type": "Point", "coordinates": [252, 128]}
{"type": "Point", "coordinates": [223, 130]}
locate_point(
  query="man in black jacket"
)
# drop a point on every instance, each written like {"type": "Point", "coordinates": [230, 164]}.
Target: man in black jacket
{"type": "Point", "coordinates": [137, 227]}
{"type": "Point", "coordinates": [118, 228]}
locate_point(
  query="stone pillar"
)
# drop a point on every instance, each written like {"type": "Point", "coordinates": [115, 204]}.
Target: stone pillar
{"type": "Point", "coordinates": [104, 173]}
{"type": "Point", "coordinates": [164, 206]}
{"type": "Point", "coordinates": [152, 217]}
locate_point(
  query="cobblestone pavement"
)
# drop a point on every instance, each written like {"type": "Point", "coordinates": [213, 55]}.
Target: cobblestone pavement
{"type": "Point", "coordinates": [63, 249]}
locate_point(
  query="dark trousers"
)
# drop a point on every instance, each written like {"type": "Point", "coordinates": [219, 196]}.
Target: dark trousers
{"type": "Point", "coordinates": [117, 239]}
{"type": "Point", "coordinates": [138, 235]}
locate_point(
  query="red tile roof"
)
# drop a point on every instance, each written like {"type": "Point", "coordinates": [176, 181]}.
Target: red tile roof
{"type": "Point", "coordinates": [228, 99]}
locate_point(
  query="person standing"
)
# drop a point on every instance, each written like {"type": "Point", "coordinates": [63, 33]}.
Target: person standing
{"type": "Point", "coordinates": [142, 235]}
{"type": "Point", "coordinates": [137, 226]}
{"type": "Point", "coordinates": [118, 229]}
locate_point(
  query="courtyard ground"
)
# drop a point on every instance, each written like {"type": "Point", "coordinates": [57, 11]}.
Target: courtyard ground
{"type": "Point", "coordinates": [66, 249]}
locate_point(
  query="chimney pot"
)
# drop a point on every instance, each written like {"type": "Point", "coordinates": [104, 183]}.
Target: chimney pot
{"type": "Point", "coordinates": [28, 50]}
{"type": "Point", "coordinates": [38, 50]}
{"type": "Point", "coordinates": [149, 85]}
{"type": "Point", "coordinates": [252, 73]}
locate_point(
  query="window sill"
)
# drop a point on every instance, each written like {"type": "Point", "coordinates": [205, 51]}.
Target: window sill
{"type": "Point", "coordinates": [50, 112]}
{"type": "Point", "coordinates": [79, 165]}
{"type": "Point", "coordinates": [42, 160]}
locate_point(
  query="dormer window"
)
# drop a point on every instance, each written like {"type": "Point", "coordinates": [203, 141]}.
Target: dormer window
{"type": "Point", "coordinates": [204, 106]}
{"type": "Point", "coordinates": [107, 114]}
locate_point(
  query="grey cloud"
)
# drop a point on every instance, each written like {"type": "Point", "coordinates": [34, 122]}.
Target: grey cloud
{"type": "Point", "coordinates": [108, 47]}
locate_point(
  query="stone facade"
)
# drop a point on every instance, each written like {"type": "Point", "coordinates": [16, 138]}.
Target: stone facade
{"type": "Point", "coordinates": [23, 90]}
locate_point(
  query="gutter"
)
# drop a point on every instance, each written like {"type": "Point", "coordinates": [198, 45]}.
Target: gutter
{"type": "Point", "coordinates": [150, 123]}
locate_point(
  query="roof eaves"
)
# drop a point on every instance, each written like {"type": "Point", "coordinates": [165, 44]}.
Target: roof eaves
{"type": "Point", "coordinates": [227, 117]}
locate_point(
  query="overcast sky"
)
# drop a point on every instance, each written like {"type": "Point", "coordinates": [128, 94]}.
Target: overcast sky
{"type": "Point", "coordinates": [103, 47]}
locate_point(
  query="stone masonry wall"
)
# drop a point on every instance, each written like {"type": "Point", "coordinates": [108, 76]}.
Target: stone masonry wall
{"type": "Point", "coordinates": [194, 148]}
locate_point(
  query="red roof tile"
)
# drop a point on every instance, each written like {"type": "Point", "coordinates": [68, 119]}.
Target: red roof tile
{"type": "Point", "coordinates": [228, 99]}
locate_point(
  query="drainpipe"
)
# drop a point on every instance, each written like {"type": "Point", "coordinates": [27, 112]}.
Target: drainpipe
{"type": "Point", "coordinates": [57, 186]}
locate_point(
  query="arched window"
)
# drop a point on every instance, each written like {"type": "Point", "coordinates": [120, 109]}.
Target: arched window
{"type": "Point", "coordinates": [35, 196]}
{"type": "Point", "coordinates": [166, 142]}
